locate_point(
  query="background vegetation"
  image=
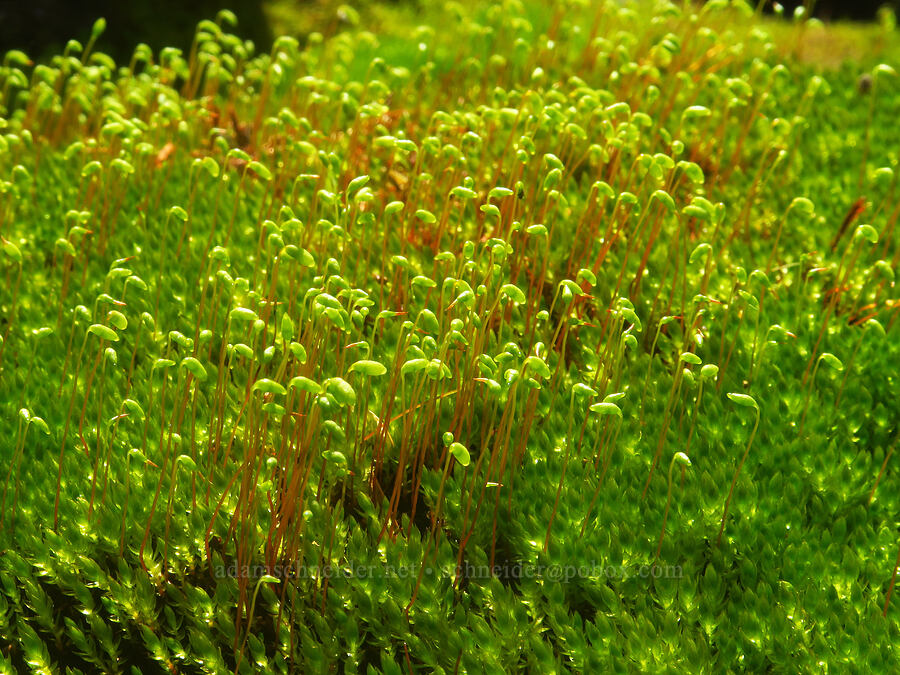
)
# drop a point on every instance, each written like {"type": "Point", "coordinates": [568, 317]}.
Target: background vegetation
{"type": "Point", "coordinates": [487, 337]}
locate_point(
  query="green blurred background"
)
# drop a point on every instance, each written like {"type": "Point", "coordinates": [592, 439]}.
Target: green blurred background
{"type": "Point", "coordinates": [43, 27]}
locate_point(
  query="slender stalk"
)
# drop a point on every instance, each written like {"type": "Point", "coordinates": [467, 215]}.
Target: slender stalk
{"type": "Point", "coordinates": [677, 458]}
{"type": "Point", "coordinates": [736, 474]}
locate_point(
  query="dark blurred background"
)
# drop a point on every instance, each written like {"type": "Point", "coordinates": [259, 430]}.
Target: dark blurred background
{"type": "Point", "coordinates": [43, 27]}
{"type": "Point", "coordinates": [830, 10]}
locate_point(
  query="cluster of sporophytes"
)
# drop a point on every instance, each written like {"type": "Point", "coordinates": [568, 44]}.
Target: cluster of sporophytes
{"type": "Point", "coordinates": [541, 337]}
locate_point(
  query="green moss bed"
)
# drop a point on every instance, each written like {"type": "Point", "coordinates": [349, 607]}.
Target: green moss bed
{"type": "Point", "coordinates": [469, 338]}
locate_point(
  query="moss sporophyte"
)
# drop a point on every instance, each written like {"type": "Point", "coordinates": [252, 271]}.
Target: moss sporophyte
{"type": "Point", "coordinates": [463, 338]}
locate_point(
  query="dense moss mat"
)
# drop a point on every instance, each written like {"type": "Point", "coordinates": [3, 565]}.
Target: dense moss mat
{"type": "Point", "coordinates": [515, 337]}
